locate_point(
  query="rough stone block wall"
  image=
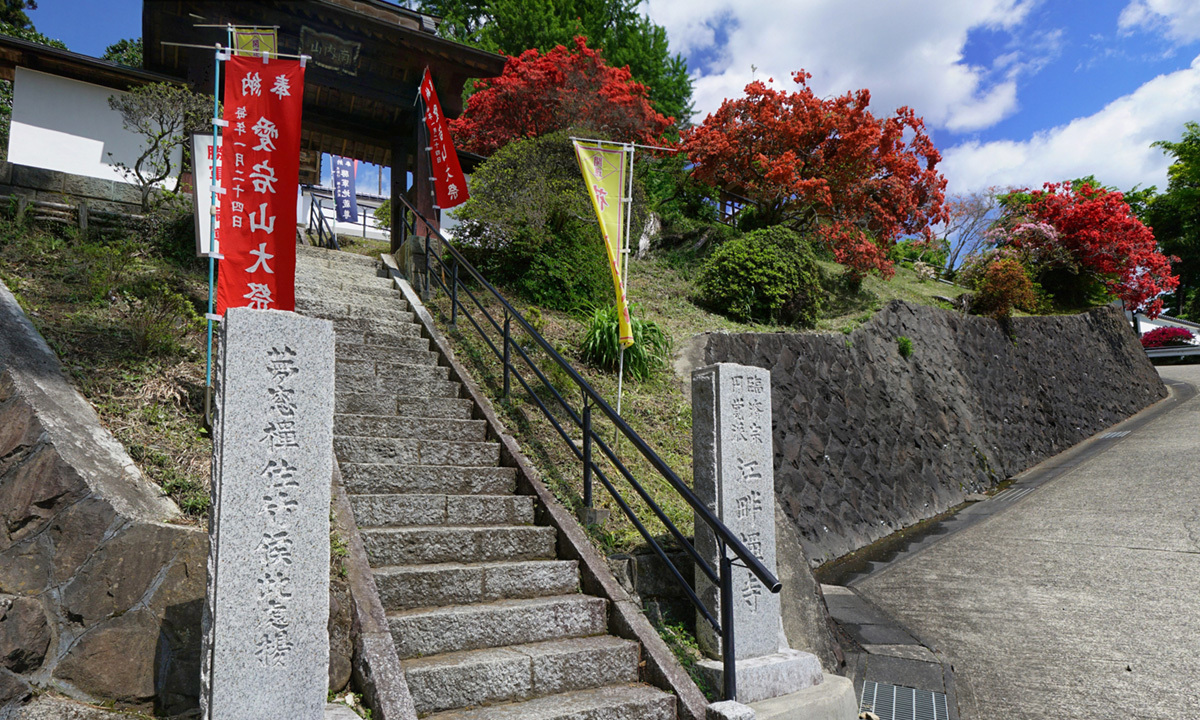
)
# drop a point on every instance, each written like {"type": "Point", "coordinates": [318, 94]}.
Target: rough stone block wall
{"type": "Point", "coordinates": [100, 593]}
{"type": "Point", "coordinates": [868, 442]}
{"type": "Point", "coordinates": [54, 186]}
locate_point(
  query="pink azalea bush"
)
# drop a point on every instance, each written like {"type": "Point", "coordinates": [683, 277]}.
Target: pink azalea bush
{"type": "Point", "coordinates": [1167, 337]}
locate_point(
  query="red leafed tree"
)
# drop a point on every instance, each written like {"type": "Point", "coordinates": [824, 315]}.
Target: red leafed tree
{"type": "Point", "coordinates": [1096, 233]}
{"type": "Point", "coordinates": [537, 94]}
{"type": "Point", "coordinates": [827, 166]}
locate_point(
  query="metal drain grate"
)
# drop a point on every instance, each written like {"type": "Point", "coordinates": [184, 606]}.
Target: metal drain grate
{"type": "Point", "coordinates": [894, 702]}
{"type": "Point", "coordinates": [1113, 435]}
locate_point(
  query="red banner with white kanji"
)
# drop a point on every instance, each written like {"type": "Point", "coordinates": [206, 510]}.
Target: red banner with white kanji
{"type": "Point", "coordinates": [260, 175]}
{"type": "Point", "coordinates": [449, 183]}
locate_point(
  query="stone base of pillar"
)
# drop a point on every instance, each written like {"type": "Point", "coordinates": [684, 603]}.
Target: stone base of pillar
{"type": "Point", "coordinates": [767, 676]}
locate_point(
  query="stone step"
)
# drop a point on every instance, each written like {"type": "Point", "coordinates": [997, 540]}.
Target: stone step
{"type": "Point", "coordinates": [385, 353]}
{"type": "Point", "coordinates": [409, 451]}
{"type": "Point", "coordinates": [505, 622]}
{"type": "Point", "coordinates": [346, 262]}
{"type": "Point", "coordinates": [403, 405]}
{"type": "Point", "coordinates": [406, 509]}
{"type": "Point", "coordinates": [352, 383]}
{"type": "Point", "coordinates": [348, 355]}
{"type": "Point", "coordinates": [376, 325]}
{"type": "Point", "coordinates": [369, 368]}
{"type": "Point", "coordinates": [380, 478]}
{"type": "Point", "coordinates": [343, 277]}
{"type": "Point", "coordinates": [368, 284]}
{"type": "Point", "coordinates": [519, 672]}
{"type": "Point", "coordinates": [403, 587]}
{"type": "Point", "coordinates": [319, 255]}
{"type": "Point", "coordinates": [313, 288]}
{"type": "Point", "coordinates": [317, 293]}
{"type": "Point", "coordinates": [448, 543]}
{"type": "Point", "coordinates": [392, 426]}
{"type": "Point", "coordinates": [399, 335]}
{"type": "Point", "coordinates": [615, 702]}
{"type": "Point", "coordinates": [383, 312]}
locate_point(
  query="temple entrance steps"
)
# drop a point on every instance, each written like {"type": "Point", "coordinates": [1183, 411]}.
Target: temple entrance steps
{"type": "Point", "coordinates": [487, 621]}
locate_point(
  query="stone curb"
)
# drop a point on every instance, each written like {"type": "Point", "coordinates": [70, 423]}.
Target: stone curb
{"type": "Point", "coordinates": [660, 668]}
{"type": "Point", "coordinates": [376, 667]}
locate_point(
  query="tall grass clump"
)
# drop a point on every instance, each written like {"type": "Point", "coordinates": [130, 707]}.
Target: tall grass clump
{"type": "Point", "coordinates": [601, 345]}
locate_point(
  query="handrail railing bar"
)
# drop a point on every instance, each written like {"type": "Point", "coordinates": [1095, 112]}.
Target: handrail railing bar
{"type": "Point", "coordinates": [719, 529]}
{"type": "Point", "coordinates": [482, 334]}
{"type": "Point", "coordinates": [657, 549]}
{"type": "Point", "coordinates": [549, 416]}
{"type": "Point", "coordinates": [528, 361]}
{"type": "Point", "coordinates": [658, 511]}
{"type": "Point", "coordinates": [482, 309]}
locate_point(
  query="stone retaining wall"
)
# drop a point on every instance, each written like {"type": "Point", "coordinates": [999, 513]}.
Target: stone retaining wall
{"type": "Point", "coordinates": [60, 187]}
{"type": "Point", "coordinates": [868, 442]}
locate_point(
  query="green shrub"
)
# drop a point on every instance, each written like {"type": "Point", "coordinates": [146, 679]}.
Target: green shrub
{"type": "Point", "coordinates": [1004, 286]}
{"type": "Point", "coordinates": [103, 266]}
{"type": "Point", "coordinates": [159, 318]}
{"type": "Point", "coordinates": [529, 224]}
{"type": "Point", "coordinates": [905, 346]}
{"type": "Point", "coordinates": [768, 275]}
{"type": "Point", "coordinates": [601, 347]}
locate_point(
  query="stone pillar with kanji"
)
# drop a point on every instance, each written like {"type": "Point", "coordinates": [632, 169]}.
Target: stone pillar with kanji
{"type": "Point", "coordinates": [733, 467]}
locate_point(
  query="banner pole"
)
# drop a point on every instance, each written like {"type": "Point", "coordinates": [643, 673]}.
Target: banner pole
{"type": "Point", "coordinates": [212, 236]}
{"type": "Point", "coordinates": [620, 386]}
{"type": "Point", "coordinates": [628, 201]}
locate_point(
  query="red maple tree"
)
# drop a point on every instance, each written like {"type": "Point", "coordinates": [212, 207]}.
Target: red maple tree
{"type": "Point", "coordinates": [1097, 232]}
{"type": "Point", "coordinates": [540, 93]}
{"type": "Point", "coordinates": [828, 166]}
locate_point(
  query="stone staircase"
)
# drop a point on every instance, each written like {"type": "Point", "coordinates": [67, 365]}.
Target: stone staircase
{"type": "Point", "coordinates": [487, 622]}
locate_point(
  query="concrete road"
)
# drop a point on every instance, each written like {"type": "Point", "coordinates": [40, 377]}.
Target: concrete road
{"type": "Point", "coordinates": [1082, 599]}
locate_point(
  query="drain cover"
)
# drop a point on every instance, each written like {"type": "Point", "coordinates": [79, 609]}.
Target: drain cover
{"type": "Point", "coordinates": [1113, 435]}
{"type": "Point", "coordinates": [894, 702]}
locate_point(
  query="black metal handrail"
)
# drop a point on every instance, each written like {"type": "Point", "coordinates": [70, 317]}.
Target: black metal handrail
{"type": "Point", "coordinates": [318, 223]}
{"type": "Point", "coordinates": [446, 275]}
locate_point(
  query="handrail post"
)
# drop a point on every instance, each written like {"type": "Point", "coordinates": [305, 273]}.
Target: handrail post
{"type": "Point", "coordinates": [454, 297]}
{"type": "Point", "coordinates": [729, 660]}
{"type": "Point", "coordinates": [425, 295]}
{"type": "Point", "coordinates": [507, 318]}
{"type": "Point", "coordinates": [587, 453]}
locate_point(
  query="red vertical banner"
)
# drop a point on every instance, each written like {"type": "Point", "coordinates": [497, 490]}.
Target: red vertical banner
{"type": "Point", "coordinates": [260, 164]}
{"type": "Point", "coordinates": [450, 185]}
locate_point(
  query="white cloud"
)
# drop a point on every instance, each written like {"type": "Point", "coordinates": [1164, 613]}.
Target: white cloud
{"type": "Point", "coordinates": [1179, 20]}
{"type": "Point", "coordinates": [1113, 144]}
{"type": "Point", "coordinates": [907, 52]}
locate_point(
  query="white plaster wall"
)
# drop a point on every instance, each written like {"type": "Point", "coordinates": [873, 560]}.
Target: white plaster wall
{"type": "Point", "coordinates": [66, 125]}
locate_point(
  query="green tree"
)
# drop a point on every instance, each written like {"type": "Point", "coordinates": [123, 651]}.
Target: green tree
{"type": "Point", "coordinates": [12, 12]}
{"type": "Point", "coordinates": [1175, 217]}
{"type": "Point", "coordinates": [626, 37]}
{"type": "Point", "coordinates": [126, 52]}
{"type": "Point", "coordinates": [529, 225]}
{"type": "Point", "coordinates": [165, 115]}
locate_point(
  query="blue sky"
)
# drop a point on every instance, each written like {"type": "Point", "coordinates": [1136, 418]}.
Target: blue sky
{"type": "Point", "coordinates": [1014, 92]}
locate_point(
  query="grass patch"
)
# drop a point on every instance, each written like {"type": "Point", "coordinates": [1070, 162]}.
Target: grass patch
{"type": "Point", "coordinates": [124, 323]}
{"type": "Point", "coordinates": [687, 651]}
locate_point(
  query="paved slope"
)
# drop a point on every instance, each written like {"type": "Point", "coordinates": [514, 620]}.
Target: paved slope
{"type": "Point", "coordinates": [1078, 601]}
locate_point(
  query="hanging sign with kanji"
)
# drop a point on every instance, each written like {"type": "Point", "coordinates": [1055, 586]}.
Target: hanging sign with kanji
{"type": "Point", "coordinates": [260, 164]}
{"type": "Point", "coordinates": [603, 167]}
{"type": "Point", "coordinates": [448, 180]}
{"type": "Point", "coordinates": [344, 194]}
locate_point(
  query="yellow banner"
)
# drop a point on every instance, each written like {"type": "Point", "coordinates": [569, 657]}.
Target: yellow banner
{"type": "Point", "coordinates": [252, 41]}
{"type": "Point", "coordinates": [604, 171]}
